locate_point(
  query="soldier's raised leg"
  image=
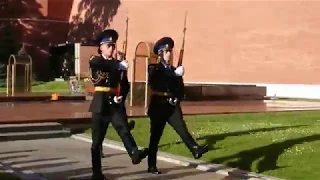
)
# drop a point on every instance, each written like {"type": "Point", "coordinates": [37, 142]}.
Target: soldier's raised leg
{"type": "Point", "coordinates": [130, 124]}
{"type": "Point", "coordinates": [179, 125]}
{"type": "Point", "coordinates": [119, 122]}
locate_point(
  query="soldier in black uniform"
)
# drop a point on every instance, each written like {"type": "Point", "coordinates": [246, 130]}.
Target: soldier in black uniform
{"type": "Point", "coordinates": [125, 85]}
{"type": "Point", "coordinates": [106, 106]}
{"type": "Point", "coordinates": [167, 91]}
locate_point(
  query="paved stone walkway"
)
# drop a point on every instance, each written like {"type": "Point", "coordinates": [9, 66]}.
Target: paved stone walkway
{"type": "Point", "coordinates": [67, 158]}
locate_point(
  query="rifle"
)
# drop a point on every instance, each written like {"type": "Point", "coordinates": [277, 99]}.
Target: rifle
{"type": "Point", "coordinates": [125, 43]}
{"type": "Point", "coordinates": [124, 50]}
{"type": "Point", "coordinates": [183, 41]}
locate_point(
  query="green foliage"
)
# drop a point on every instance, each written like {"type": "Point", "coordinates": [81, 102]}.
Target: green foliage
{"type": "Point", "coordinates": [3, 83]}
{"type": "Point", "coordinates": [40, 86]}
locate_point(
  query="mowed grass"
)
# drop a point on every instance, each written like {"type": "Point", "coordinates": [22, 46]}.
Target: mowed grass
{"type": "Point", "coordinates": [53, 86]}
{"type": "Point", "coordinates": [50, 87]}
{"type": "Point", "coordinates": [284, 145]}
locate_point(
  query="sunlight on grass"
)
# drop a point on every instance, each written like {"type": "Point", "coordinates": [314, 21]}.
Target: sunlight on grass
{"type": "Point", "coordinates": [52, 86]}
{"type": "Point", "coordinates": [284, 145]}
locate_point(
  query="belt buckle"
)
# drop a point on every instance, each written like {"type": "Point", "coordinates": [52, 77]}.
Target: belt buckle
{"type": "Point", "coordinates": [173, 101]}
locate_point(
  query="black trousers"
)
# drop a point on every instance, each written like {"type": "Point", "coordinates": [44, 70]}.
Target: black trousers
{"type": "Point", "coordinates": [159, 117]}
{"type": "Point", "coordinates": [100, 124]}
{"type": "Point", "coordinates": [124, 110]}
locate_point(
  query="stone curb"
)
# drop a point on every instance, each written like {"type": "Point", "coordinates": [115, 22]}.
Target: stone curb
{"type": "Point", "coordinates": [183, 161]}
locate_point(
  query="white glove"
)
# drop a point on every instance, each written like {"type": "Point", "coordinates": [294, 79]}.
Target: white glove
{"type": "Point", "coordinates": [179, 71]}
{"type": "Point", "coordinates": [123, 65]}
{"type": "Point", "coordinates": [173, 101]}
{"type": "Point", "coordinates": [117, 99]}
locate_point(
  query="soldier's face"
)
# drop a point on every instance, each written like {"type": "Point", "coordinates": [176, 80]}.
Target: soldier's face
{"type": "Point", "coordinates": [107, 49]}
{"type": "Point", "coordinates": [167, 55]}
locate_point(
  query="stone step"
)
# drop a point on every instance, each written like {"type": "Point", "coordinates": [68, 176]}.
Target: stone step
{"type": "Point", "coordinates": [30, 127]}
{"type": "Point", "coordinates": [14, 136]}
{"type": "Point", "coordinates": [77, 128]}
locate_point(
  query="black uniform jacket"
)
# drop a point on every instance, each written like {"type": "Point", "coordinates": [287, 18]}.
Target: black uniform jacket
{"type": "Point", "coordinates": [106, 73]}
{"type": "Point", "coordinates": [164, 80]}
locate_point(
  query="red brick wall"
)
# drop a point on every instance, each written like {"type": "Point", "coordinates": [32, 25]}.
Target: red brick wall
{"type": "Point", "coordinates": [85, 53]}
{"type": "Point", "coordinates": [59, 9]}
{"type": "Point", "coordinates": [226, 41]}
{"type": "Point", "coordinates": [233, 41]}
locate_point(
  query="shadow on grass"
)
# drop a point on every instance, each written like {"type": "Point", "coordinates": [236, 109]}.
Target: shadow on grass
{"type": "Point", "coordinates": [269, 154]}
{"type": "Point", "coordinates": [212, 139]}
{"type": "Point", "coordinates": [244, 159]}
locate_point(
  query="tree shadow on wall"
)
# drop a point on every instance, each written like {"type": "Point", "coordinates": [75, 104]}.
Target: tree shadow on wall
{"type": "Point", "coordinates": [26, 28]}
{"type": "Point", "coordinates": [34, 33]}
{"type": "Point", "coordinates": [13, 31]}
{"type": "Point", "coordinates": [93, 17]}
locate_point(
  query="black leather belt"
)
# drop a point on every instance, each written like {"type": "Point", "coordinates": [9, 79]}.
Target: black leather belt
{"type": "Point", "coordinates": [163, 94]}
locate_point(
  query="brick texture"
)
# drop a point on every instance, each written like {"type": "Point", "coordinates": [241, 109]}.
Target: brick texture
{"type": "Point", "coordinates": [226, 41]}
{"type": "Point", "coordinates": [233, 41]}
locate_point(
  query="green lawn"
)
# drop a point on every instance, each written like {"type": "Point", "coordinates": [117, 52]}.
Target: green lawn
{"type": "Point", "coordinates": [284, 145]}
{"type": "Point", "coordinates": [52, 86]}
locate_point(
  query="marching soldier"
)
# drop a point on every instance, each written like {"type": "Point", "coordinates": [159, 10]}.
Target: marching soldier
{"type": "Point", "coordinates": [167, 91]}
{"type": "Point", "coordinates": [125, 85]}
{"type": "Point", "coordinates": [106, 106]}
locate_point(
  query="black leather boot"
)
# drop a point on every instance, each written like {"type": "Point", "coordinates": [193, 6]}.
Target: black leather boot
{"type": "Point", "coordinates": [96, 164]}
{"type": "Point", "coordinates": [154, 170]}
{"type": "Point", "coordinates": [135, 156]}
{"type": "Point", "coordinates": [143, 153]}
{"type": "Point", "coordinates": [198, 151]}
{"type": "Point", "coordinates": [131, 148]}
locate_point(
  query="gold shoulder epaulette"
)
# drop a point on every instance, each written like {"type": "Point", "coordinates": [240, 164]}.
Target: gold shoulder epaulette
{"type": "Point", "coordinates": [93, 56]}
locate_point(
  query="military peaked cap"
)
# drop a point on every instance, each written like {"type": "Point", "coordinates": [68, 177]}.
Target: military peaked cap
{"type": "Point", "coordinates": [107, 36]}
{"type": "Point", "coordinates": [162, 44]}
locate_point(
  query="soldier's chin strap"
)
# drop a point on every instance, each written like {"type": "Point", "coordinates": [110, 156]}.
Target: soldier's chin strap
{"type": "Point", "coordinates": [107, 58]}
{"type": "Point", "coordinates": [164, 62]}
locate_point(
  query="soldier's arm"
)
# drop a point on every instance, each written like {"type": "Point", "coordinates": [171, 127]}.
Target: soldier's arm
{"type": "Point", "coordinates": [125, 85]}
{"type": "Point", "coordinates": [180, 89]}
{"type": "Point", "coordinates": [179, 83]}
{"type": "Point", "coordinates": [94, 61]}
{"type": "Point", "coordinates": [154, 79]}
